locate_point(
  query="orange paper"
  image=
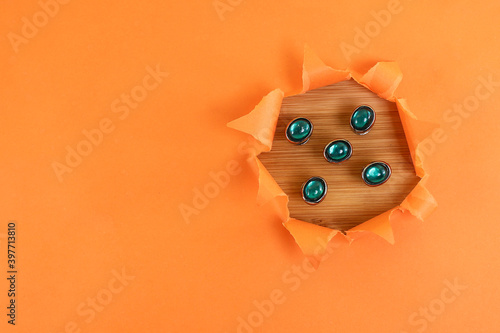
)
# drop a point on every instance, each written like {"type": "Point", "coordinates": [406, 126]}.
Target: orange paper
{"type": "Point", "coordinates": [135, 205]}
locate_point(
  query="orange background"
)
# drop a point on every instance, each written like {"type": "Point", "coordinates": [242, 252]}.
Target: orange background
{"type": "Point", "coordinates": [120, 207]}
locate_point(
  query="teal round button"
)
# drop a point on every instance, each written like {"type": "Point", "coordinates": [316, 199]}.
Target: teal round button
{"type": "Point", "coordinates": [338, 151]}
{"type": "Point", "coordinates": [362, 119]}
{"type": "Point", "coordinates": [314, 190]}
{"type": "Point", "coordinates": [376, 173]}
{"type": "Point", "coordinates": [299, 130]}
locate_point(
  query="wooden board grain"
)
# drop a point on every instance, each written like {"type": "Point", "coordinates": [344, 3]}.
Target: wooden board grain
{"type": "Point", "coordinates": [349, 201]}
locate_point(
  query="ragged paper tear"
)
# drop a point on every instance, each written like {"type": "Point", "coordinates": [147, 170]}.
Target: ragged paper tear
{"type": "Point", "coordinates": [316, 74]}
{"type": "Point", "coordinates": [261, 122]}
{"type": "Point", "coordinates": [383, 79]}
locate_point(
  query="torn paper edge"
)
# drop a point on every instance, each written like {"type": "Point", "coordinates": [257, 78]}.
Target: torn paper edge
{"type": "Point", "coordinates": [383, 79]}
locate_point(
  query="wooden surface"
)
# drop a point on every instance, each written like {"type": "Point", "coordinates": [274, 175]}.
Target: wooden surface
{"type": "Point", "coordinates": [349, 201]}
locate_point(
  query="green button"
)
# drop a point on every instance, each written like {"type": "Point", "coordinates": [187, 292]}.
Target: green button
{"type": "Point", "coordinates": [376, 173]}
{"type": "Point", "coordinates": [299, 130]}
{"type": "Point", "coordinates": [314, 190]}
{"type": "Point", "coordinates": [362, 119]}
{"type": "Point", "coordinates": [338, 151]}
